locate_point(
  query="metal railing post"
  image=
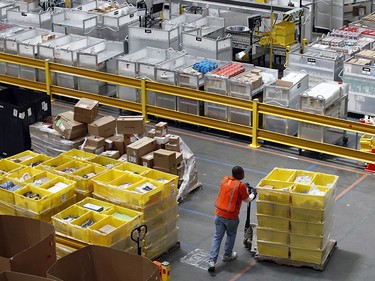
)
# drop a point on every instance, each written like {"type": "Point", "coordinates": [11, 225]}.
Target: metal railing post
{"type": "Point", "coordinates": [255, 125]}
{"type": "Point", "coordinates": [144, 99]}
{"type": "Point", "coordinates": [48, 78]}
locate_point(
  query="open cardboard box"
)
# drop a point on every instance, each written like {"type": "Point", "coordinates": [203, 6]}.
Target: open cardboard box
{"type": "Point", "coordinates": [96, 263]}
{"type": "Point", "coordinates": [16, 276]}
{"type": "Point", "coordinates": [26, 245]}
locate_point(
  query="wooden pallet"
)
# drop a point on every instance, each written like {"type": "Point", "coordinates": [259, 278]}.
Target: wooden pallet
{"type": "Point", "coordinates": [331, 247]}
{"type": "Point", "coordinates": [194, 188]}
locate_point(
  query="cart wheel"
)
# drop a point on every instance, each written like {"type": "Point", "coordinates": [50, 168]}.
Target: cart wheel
{"type": "Point", "coordinates": [247, 243]}
{"type": "Point", "coordinates": [299, 151]}
{"type": "Point", "coordinates": [345, 140]}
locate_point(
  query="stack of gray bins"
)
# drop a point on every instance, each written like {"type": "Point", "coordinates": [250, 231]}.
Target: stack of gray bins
{"type": "Point", "coordinates": [46, 51]}
{"type": "Point", "coordinates": [35, 17]}
{"type": "Point", "coordinates": [140, 37]}
{"type": "Point", "coordinates": [75, 22]}
{"type": "Point", "coordinates": [219, 84]}
{"type": "Point", "coordinates": [328, 98]}
{"type": "Point", "coordinates": [67, 54]}
{"type": "Point", "coordinates": [247, 90]}
{"type": "Point", "coordinates": [142, 65]}
{"type": "Point", "coordinates": [286, 93]}
{"type": "Point", "coordinates": [207, 39]}
{"type": "Point", "coordinates": [4, 6]}
{"type": "Point", "coordinates": [320, 65]}
{"type": "Point", "coordinates": [29, 48]}
{"type": "Point", "coordinates": [99, 57]}
{"type": "Point", "coordinates": [359, 72]}
{"type": "Point", "coordinates": [7, 31]}
{"type": "Point", "coordinates": [167, 73]}
{"type": "Point", "coordinates": [11, 47]}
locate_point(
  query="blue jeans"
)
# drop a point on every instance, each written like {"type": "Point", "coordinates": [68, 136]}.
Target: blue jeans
{"type": "Point", "coordinates": [223, 225]}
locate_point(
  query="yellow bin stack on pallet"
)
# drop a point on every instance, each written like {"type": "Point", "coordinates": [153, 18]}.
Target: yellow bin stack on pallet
{"type": "Point", "coordinates": [121, 186]}
{"type": "Point", "coordinates": [295, 214]}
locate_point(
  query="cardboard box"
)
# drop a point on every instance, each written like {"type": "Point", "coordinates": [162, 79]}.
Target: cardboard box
{"type": "Point", "coordinates": [161, 129]}
{"type": "Point", "coordinates": [151, 133]}
{"type": "Point", "coordinates": [256, 71]}
{"type": "Point", "coordinates": [130, 125]}
{"type": "Point", "coordinates": [114, 154]}
{"type": "Point", "coordinates": [16, 276]}
{"type": "Point", "coordinates": [128, 139]}
{"type": "Point", "coordinates": [93, 149]}
{"type": "Point", "coordinates": [123, 158]}
{"type": "Point", "coordinates": [103, 264]}
{"type": "Point", "coordinates": [179, 157]}
{"type": "Point", "coordinates": [108, 144]}
{"type": "Point", "coordinates": [148, 160]}
{"type": "Point", "coordinates": [173, 139]}
{"type": "Point", "coordinates": [86, 110]}
{"type": "Point", "coordinates": [95, 141]}
{"type": "Point", "coordinates": [169, 171]}
{"type": "Point", "coordinates": [118, 143]}
{"type": "Point", "coordinates": [283, 83]}
{"type": "Point", "coordinates": [26, 245]}
{"type": "Point", "coordinates": [140, 148]}
{"type": "Point", "coordinates": [162, 140]}
{"type": "Point", "coordinates": [65, 124]}
{"type": "Point", "coordinates": [180, 170]}
{"type": "Point", "coordinates": [173, 147]}
{"type": "Point", "coordinates": [104, 127]}
{"type": "Point", "coordinates": [165, 159]}
{"type": "Point", "coordinates": [359, 11]}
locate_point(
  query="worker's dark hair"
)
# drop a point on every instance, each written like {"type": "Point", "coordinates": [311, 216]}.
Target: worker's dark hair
{"type": "Point", "coordinates": [238, 173]}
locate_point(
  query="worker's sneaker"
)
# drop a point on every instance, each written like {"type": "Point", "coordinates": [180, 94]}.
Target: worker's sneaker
{"type": "Point", "coordinates": [211, 266]}
{"type": "Point", "coordinates": [231, 257]}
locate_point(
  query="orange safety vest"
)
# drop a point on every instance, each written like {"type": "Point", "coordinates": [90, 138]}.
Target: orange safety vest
{"type": "Point", "coordinates": [227, 197]}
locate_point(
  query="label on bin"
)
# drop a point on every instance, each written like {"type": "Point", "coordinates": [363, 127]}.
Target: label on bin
{"type": "Point", "coordinates": [29, 112]}
{"type": "Point", "coordinates": [366, 70]}
{"type": "Point", "coordinates": [311, 61]}
{"type": "Point", "coordinates": [44, 106]}
{"type": "Point", "coordinates": [21, 115]}
{"type": "Point", "coordinates": [62, 127]}
{"type": "Point", "coordinates": [199, 39]}
{"type": "Point", "coordinates": [15, 112]}
{"type": "Point", "coordinates": [148, 31]}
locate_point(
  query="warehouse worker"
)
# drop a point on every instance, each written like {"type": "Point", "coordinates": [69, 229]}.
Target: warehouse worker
{"type": "Point", "coordinates": [228, 204]}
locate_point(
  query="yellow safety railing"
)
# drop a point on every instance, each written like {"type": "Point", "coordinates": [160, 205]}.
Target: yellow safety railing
{"type": "Point", "coordinates": [252, 131]}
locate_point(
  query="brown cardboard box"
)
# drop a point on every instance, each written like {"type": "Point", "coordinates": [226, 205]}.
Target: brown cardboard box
{"type": "Point", "coordinates": [95, 141]}
{"type": "Point", "coordinates": [93, 149]}
{"type": "Point", "coordinates": [162, 140]}
{"type": "Point", "coordinates": [256, 71]}
{"type": "Point", "coordinates": [118, 143]}
{"type": "Point", "coordinates": [180, 170]}
{"type": "Point", "coordinates": [104, 127]}
{"type": "Point", "coordinates": [165, 159]}
{"type": "Point", "coordinates": [128, 139]}
{"type": "Point", "coordinates": [173, 139]}
{"type": "Point", "coordinates": [114, 154]}
{"type": "Point", "coordinates": [130, 125]}
{"type": "Point", "coordinates": [173, 147]}
{"type": "Point", "coordinates": [26, 245]}
{"type": "Point", "coordinates": [65, 124]}
{"type": "Point", "coordinates": [359, 10]}
{"type": "Point", "coordinates": [93, 263]}
{"type": "Point", "coordinates": [139, 148]}
{"type": "Point", "coordinates": [108, 144]}
{"type": "Point", "coordinates": [123, 158]}
{"type": "Point", "coordinates": [148, 160]}
{"type": "Point", "coordinates": [161, 129]}
{"type": "Point", "coordinates": [283, 83]}
{"type": "Point", "coordinates": [16, 276]}
{"type": "Point", "coordinates": [86, 110]}
{"type": "Point", "coordinates": [179, 157]}
{"type": "Point", "coordinates": [151, 133]}
{"type": "Point", "coordinates": [169, 171]}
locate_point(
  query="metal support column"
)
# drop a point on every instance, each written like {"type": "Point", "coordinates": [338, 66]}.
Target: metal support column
{"type": "Point", "coordinates": [255, 125]}
{"type": "Point", "coordinates": [144, 100]}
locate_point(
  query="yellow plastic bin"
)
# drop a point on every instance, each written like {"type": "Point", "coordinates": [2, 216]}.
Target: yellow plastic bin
{"type": "Point", "coordinates": [301, 198]}
{"type": "Point", "coordinates": [25, 174]}
{"type": "Point", "coordinates": [311, 228]}
{"type": "Point", "coordinates": [132, 168]}
{"type": "Point", "coordinates": [79, 228]}
{"type": "Point", "coordinates": [118, 189]}
{"type": "Point", "coordinates": [105, 162]}
{"type": "Point", "coordinates": [151, 197]}
{"type": "Point", "coordinates": [284, 28]}
{"type": "Point", "coordinates": [308, 241]}
{"type": "Point", "coordinates": [23, 156]}
{"type": "Point", "coordinates": [271, 235]}
{"type": "Point", "coordinates": [37, 206]}
{"type": "Point", "coordinates": [281, 224]}
{"type": "Point", "coordinates": [7, 209]}
{"type": "Point", "coordinates": [37, 160]}
{"type": "Point", "coordinates": [326, 180]}
{"type": "Point", "coordinates": [7, 196]}
{"type": "Point", "coordinates": [105, 205]}
{"type": "Point", "coordinates": [83, 177]}
{"type": "Point", "coordinates": [157, 233]}
{"type": "Point", "coordinates": [71, 167]}
{"type": "Point", "coordinates": [124, 214]}
{"type": "Point", "coordinates": [307, 255]}
{"type": "Point", "coordinates": [303, 177]}
{"type": "Point", "coordinates": [7, 166]}
{"type": "Point", "coordinates": [79, 154]}
{"type": "Point", "coordinates": [272, 209]}
{"type": "Point", "coordinates": [279, 174]}
{"type": "Point", "coordinates": [52, 164]}
{"type": "Point", "coordinates": [62, 220]}
{"type": "Point", "coordinates": [170, 182]}
{"type": "Point", "coordinates": [280, 192]}
{"type": "Point", "coordinates": [312, 215]}
{"type": "Point", "coordinates": [273, 249]}
{"type": "Point", "coordinates": [109, 231]}
{"type": "Point", "coordinates": [101, 181]}
{"type": "Point", "coordinates": [61, 188]}
{"type": "Point", "coordinates": [42, 178]}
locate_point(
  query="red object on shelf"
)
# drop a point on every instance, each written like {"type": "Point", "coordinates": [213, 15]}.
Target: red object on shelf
{"type": "Point", "coordinates": [371, 166]}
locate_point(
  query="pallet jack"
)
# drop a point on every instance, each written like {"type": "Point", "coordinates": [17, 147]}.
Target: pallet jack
{"type": "Point", "coordinates": [249, 240]}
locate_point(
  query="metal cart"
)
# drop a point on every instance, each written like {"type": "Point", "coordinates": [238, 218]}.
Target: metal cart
{"type": "Point", "coordinates": [33, 18]}
{"type": "Point", "coordinates": [286, 96]}
{"type": "Point", "coordinates": [4, 6]}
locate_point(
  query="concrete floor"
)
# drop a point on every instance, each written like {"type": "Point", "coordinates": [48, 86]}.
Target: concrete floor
{"type": "Point", "coordinates": [353, 228]}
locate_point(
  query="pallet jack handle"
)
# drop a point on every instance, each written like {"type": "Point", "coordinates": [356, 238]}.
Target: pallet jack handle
{"type": "Point", "coordinates": [137, 235]}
